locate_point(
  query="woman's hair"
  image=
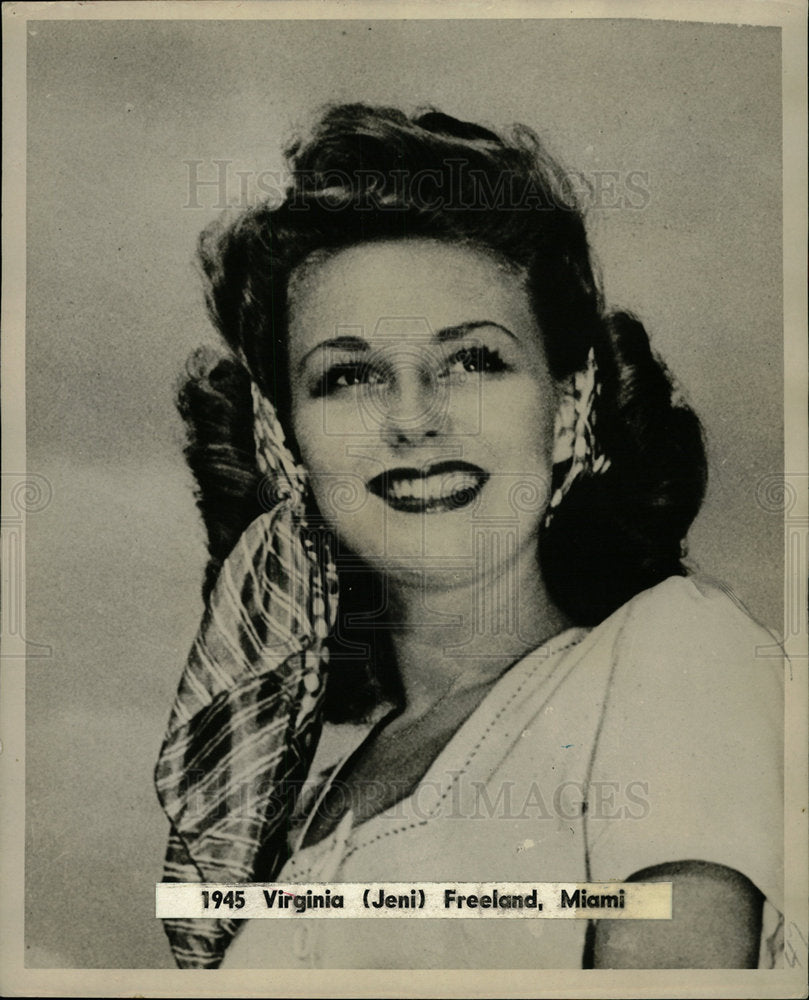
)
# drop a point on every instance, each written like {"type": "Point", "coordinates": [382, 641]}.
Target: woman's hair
{"type": "Point", "coordinates": [373, 173]}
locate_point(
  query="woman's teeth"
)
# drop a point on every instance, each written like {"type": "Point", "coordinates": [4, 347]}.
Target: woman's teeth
{"type": "Point", "coordinates": [436, 487]}
{"type": "Point", "coordinates": [446, 487]}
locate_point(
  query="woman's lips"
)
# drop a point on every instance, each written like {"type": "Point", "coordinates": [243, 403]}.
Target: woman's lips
{"type": "Point", "coordinates": [442, 487]}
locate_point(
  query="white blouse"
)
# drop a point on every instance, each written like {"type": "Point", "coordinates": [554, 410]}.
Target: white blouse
{"type": "Point", "coordinates": [656, 736]}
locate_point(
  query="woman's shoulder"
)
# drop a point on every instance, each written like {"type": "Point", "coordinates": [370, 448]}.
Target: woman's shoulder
{"type": "Point", "coordinates": [694, 633]}
{"type": "Point", "coordinates": [699, 601]}
{"type": "Point", "coordinates": [698, 686]}
{"type": "Point", "coordinates": [694, 716]}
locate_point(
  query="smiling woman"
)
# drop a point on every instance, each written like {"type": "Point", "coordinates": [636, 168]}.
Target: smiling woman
{"type": "Point", "coordinates": [435, 461]}
{"type": "Point", "coordinates": [455, 398]}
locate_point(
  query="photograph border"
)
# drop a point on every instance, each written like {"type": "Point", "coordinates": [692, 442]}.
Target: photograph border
{"type": "Point", "coordinates": [15, 980]}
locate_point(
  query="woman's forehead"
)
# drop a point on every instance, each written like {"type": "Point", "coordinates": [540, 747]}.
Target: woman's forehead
{"type": "Point", "coordinates": [426, 284]}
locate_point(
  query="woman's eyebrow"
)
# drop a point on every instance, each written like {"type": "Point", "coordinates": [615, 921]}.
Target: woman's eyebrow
{"type": "Point", "coordinates": [346, 343]}
{"type": "Point", "coordinates": [461, 330]}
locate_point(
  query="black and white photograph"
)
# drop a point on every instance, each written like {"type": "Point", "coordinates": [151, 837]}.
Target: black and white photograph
{"type": "Point", "coordinates": [404, 499]}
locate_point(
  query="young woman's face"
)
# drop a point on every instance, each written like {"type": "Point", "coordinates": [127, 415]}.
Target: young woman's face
{"type": "Point", "coordinates": [422, 405]}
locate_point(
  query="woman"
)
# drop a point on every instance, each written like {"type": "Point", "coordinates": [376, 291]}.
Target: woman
{"type": "Point", "coordinates": [427, 409]}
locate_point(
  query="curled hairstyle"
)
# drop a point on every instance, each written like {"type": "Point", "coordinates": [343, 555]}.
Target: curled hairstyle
{"type": "Point", "coordinates": [373, 173]}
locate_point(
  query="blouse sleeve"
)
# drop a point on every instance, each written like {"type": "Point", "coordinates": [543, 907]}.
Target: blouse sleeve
{"type": "Point", "coordinates": [691, 741]}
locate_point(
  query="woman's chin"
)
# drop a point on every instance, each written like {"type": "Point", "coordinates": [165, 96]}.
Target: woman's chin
{"type": "Point", "coordinates": [440, 551]}
{"type": "Point", "coordinates": [429, 575]}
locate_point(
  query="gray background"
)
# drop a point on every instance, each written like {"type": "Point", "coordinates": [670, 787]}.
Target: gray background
{"type": "Point", "coordinates": [113, 309]}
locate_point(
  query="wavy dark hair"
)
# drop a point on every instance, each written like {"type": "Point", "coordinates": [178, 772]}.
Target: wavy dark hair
{"type": "Point", "coordinates": [373, 173]}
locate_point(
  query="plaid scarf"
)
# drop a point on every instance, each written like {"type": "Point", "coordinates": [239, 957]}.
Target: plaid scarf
{"type": "Point", "coordinates": [246, 719]}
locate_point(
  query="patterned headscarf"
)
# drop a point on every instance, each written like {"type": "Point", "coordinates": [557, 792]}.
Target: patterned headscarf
{"type": "Point", "coordinates": [576, 447]}
{"type": "Point", "coordinates": [246, 719]}
{"type": "Point", "coordinates": [247, 716]}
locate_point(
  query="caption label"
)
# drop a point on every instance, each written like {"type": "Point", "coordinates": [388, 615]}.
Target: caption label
{"type": "Point", "coordinates": [556, 900]}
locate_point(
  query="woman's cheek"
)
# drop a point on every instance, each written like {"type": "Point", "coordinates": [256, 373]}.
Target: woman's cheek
{"type": "Point", "coordinates": [517, 416]}
{"type": "Point", "coordinates": [324, 430]}
{"type": "Point", "coordinates": [321, 429]}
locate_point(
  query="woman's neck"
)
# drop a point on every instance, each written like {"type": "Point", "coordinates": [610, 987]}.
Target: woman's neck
{"type": "Point", "coordinates": [453, 636]}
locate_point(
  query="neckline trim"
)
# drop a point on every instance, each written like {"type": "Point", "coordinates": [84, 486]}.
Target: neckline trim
{"type": "Point", "coordinates": [478, 724]}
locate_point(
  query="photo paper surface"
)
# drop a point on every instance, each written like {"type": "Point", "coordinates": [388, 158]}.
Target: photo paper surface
{"type": "Point", "coordinates": [404, 499]}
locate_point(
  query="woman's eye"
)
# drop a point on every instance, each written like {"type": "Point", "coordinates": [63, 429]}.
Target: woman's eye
{"type": "Point", "coordinates": [476, 360]}
{"type": "Point", "coordinates": [347, 376]}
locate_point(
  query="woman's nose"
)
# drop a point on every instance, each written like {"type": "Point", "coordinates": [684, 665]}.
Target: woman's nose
{"type": "Point", "coordinates": [414, 409]}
